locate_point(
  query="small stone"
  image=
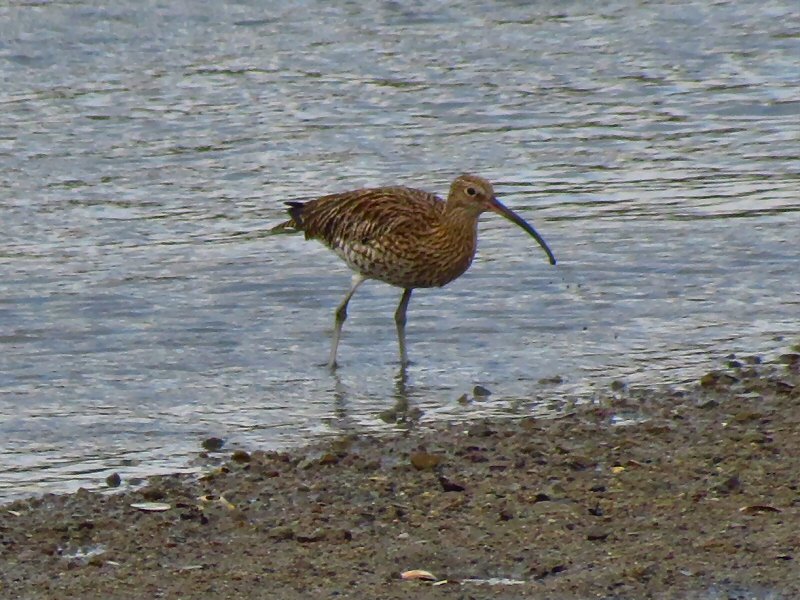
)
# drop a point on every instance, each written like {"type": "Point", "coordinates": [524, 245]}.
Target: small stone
{"type": "Point", "coordinates": [597, 535]}
{"type": "Point", "coordinates": [731, 484]}
{"type": "Point", "coordinates": [714, 379]}
{"type": "Point", "coordinates": [424, 460]}
{"type": "Point", "coordinates": [541, 573]}
{"type": "Point", "coordinates": [113, 480]}
{"type": "Point", "coordinates": [240, 456]}
{"type": "Point", "coordinates": [747, 415]}
{"type": "Point", "coordinates": [311, 536]}
{"type": "Point", "coordinates": [328, 459]}
{"type": "Point", "coordinates": [481, 392]}
{"type": "Point", "coordinates": [596, 511]}
{"type": "Point", "coordinates": [213, 444]}
{"type": "Point", "coordinates": [450, 486]}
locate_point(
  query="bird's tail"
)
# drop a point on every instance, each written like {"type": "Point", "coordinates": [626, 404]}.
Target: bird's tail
{"type": "Point", "coordinates": [294, 224]}
{"type": "Point", "coordinates": [286, 227]}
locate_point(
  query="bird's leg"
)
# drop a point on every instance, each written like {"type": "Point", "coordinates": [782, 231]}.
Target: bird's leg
{"type": "Point", "coordinates": [400, 321]}
{"type": "Point", "coordinates": [341, 317]}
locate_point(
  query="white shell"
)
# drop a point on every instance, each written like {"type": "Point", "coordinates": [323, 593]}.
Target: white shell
{"type": "Point", "coordinates": [151, 506]}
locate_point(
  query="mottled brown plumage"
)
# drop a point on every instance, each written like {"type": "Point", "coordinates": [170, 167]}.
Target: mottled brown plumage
{"type": "Point", "coordinates": [403, 236]}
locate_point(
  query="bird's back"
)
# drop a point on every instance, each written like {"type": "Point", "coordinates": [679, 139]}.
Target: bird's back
{"type": "Point", "coordinates": [370, 212]}
{"type": "Point", "coordinates": [394, 234]}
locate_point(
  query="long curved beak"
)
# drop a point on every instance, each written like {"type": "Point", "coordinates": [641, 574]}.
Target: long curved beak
{"type": "Point", "coordinates": [496, 206]}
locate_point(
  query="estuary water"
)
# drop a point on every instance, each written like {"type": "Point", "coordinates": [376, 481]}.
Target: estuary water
{"type": "Point", "coordinates": [146, 148]}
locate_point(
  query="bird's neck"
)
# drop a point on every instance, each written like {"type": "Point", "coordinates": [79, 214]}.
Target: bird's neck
{"type": "Point", "coordinates": [460, 223]}
{"type": "Point", "coordinates": [457, 233]}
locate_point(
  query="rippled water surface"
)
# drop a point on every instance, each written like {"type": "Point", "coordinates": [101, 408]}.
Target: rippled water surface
{"type": "Point", "coordinates": [146, 148]}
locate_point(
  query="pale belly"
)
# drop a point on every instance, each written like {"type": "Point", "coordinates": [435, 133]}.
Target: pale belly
{"type": "Point", "coordinates": [406, 269]}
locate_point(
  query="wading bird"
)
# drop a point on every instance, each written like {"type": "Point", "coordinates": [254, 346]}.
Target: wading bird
{"type": "Point", "coordinates": [402, 236]}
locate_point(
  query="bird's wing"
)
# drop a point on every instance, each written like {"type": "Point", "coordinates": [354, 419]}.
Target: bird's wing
{"type": "Point", "coordinates": [369, 214]}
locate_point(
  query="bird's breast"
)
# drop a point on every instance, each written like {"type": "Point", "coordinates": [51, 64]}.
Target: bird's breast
{"type": "Point", "coordinates": [407, 261]}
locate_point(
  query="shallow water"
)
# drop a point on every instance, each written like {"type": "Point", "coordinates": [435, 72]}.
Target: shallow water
{"type": "Point", "coordinates": [146, 149]}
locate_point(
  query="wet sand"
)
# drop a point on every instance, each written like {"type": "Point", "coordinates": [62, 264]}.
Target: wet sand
{"type": "Point", "coordinates": [646, 494]}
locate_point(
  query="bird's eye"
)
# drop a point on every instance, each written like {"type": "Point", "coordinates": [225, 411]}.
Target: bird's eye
{"type": "Point", "coordinates": [471, 191]}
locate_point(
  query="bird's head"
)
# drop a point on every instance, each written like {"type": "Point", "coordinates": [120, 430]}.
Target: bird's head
{"type": "Point", "coordinates": [475, 195]}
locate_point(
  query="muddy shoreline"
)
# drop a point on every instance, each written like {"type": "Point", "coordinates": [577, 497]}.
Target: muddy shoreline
{"type": "Point", "coordinates": [652, 494]}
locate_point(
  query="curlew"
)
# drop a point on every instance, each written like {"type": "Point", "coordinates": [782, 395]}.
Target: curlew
{"type": "Point", "coordinates": [405, 237]}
